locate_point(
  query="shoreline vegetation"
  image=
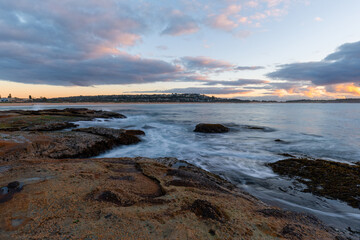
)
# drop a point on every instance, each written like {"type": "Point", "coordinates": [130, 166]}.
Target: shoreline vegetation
{"type": "Point", "coordinates": [51, 187]}
{"type": "Point", "coordinates": [154, 99]}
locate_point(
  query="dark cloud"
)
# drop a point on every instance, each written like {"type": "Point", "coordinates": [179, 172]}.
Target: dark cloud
{"type": "Point", "coordinates": [243, 68]}
{"type": "Point", "coordinates": [109, 70]}
{"type": "Point", "coordinates": [240, 82]}
{"type": "Point", "coordinates": [84, 43]}
{"type": "Point", "coordinates": [342, 66]}
{"type": "Point", "coordinates": [200, 90]}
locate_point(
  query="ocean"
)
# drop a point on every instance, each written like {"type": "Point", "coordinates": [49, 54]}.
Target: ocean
{"type": "Point", "coordinates": [327, 131]}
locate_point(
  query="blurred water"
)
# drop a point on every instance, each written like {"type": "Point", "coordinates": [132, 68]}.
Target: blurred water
{"type": "Point", "coordinates": [327, 131]}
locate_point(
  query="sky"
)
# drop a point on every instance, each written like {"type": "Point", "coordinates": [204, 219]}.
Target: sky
{"type": "Point", "coordinates": [246, 49]}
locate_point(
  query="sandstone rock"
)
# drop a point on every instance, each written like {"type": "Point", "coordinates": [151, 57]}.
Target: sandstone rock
{"type": "Point", "coordinates": [119, 136]}
{"type": "Point", "coordinates": [49, 119]}
{"type": "Point", "coordinates": [211, 128]}
{"type": "Point", "coordinates": [80, 201]}
{"type": "Point", "coordinates": [51, 126]}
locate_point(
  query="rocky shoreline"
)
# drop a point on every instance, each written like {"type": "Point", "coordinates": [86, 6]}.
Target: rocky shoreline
{"type": "Point", "coordinates": [51, 189]}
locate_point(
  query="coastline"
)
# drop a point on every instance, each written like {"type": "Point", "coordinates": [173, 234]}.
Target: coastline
{"type": "Point", "coordinates": [155, 103]}
{"type": "Point", "coordinates": [36, 157]}
{"type": "Point", "coordinates": [112, 103]}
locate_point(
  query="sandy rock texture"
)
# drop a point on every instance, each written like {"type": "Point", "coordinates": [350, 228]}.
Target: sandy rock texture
{"type": "Point", "coordinates": [138, 198]}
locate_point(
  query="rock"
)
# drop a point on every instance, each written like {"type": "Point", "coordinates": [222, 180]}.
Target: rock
{"type": "Point", "coordinates": [49, 119]}
{"type": "Point", "coordinates": [206, 210]}
{"type": "Point", "coordinates": [109, 196]}
{"type": "Point", "coordinates": [52, 126]}
{"type": "Point", "coordinates": [13, 185]}
{"type": "Point", "coordinates": [324, 178]}
{"type": "Point", "coordinates": [119, 136]}
{"type": "Point", "coordinates": [279, 140]}
{"type": "Point", "coordinates": [255, 128]}
{"type": "Point", "coordinates": [210, 128]}
{"type": "Point", "coordinates": [135, 132]}
{"type": "Point", "coordinates": [71, 112]}
{"type": "Point", "coordinates": [260, 128]}
{"type": "Point", "coordinates": [81, 191]}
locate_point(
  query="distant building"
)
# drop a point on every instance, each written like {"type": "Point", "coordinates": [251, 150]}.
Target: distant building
{"type": "Point", "coordinates": [4, 100]}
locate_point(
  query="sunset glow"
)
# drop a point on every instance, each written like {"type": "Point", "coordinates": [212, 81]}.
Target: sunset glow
{"type": "Point", "coordinates": [254, 49]}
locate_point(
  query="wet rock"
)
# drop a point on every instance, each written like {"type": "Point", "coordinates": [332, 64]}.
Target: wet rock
{"type": "Point", "coordinates": [287, 155]}
{"type": "Point", "coordinates": [13, 185]}
{"type": "Point", "coordinates": [206, 210]}
{"type": "Point", "coordinates": [279, 140]}
{"type": "Point", "coordinates": [324, 178]}
{"type": "Point", "coordinates": [210, 128]}
{"type": "Point", "coordinates": [260, 128]}
{"type": "Point", "coordinates": [135, 132]}
{"type": "Point", "coordinates": [255, 128]}
{"type": "Point", "coordinates": [119, 136]}
{"type": "Point", "coordinates": [68, 145]}
{"type": "Point", "coordinates": [49, 119]}
{"type": "Point", "coordinates": [71, 112]}
{"type": "Point", "coordinates": [52, 126]}
{"type": "Point", "coordinates": [7, 193]}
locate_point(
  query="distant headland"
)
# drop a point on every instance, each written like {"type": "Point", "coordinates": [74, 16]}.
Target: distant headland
{"type": "Point", "coordinates": [161, 98]}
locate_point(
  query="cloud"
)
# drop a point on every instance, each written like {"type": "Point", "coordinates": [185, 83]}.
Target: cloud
{"type": "Point", "coordinates": [201, 63]}
{"type": "Point", "coordinates": [318, 19]}
{"type": "Point", "coordinates": [209, 90]}
{"type": "Point", "coordinates": [86, 42]}
{"type": "Point", "coordinates": [240, 82]}
{"type": "Point", "coordinates": [342, 66]}
{"type": "Point", "coordinates": [181, 25]}
{"type": "Point", "coordinates": [223, 22]}
{"type": "Point", "coordinates": [242, 68]}
{"type": "Point", "coordinates": [344, 88]}
{"type": "Point", "coordinates": [125, 69]}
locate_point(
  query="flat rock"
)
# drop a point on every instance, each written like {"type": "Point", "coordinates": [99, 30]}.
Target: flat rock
{"type": "Point", "coordinates": [49, 119]}
{"type": "Point", "coordinates": [130, 198]}
{"type": "Point", "coordinates": [119, 136]}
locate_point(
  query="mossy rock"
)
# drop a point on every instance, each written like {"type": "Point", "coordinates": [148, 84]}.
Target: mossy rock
{"type": "Point", "coordinates": [334, 180]}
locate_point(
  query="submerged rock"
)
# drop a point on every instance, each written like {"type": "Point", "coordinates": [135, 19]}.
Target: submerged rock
{"type": "Point", "coordinates": [211, 128]}
{"type": "Point", "coordinates": [324, 178]}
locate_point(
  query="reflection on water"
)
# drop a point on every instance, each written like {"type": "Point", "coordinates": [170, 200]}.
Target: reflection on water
{"type": "Point", "coordinates": [328, 131]}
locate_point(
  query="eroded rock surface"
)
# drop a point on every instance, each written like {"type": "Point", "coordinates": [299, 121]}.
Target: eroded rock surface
{"type": "Point", "coordinates": [132, 198]}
